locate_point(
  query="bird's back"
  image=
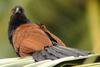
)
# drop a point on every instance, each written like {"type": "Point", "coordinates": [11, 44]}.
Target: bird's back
{"type": "Point", "coordinates": [30, 36]}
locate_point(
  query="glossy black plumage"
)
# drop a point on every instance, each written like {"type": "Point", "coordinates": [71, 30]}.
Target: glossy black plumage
{"type": "Point", "coordinates": [15, 21]}
{"type": "Point", "coordinates": [57, 51]}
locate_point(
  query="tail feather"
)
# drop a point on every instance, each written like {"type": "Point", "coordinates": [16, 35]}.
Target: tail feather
{"type": "Point", "coordinates": [72, 50]}
{"type": "Point", "coordinates": [48, 55]}
{"type": "Point", "coordinates": [63, 51]}
{"type": "Point", "coordinates": [56, 52]}
{"type": "Point", "coordinates": [37, 56]}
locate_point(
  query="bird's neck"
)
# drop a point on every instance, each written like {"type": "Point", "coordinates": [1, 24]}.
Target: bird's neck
{"type": "Point", "coordinates": [16, 21]}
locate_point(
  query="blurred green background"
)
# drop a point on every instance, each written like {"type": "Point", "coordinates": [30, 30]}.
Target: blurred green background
{"type": "Point", "coordinates": [76, 22]}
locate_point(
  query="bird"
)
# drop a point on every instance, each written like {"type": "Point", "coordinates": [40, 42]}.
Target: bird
{"type": "Point", "coordinates": [31, 39]}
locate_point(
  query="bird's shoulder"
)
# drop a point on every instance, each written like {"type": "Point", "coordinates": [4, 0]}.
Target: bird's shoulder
{"type": "Point", "coordinates": [27, 26]}
{"type": "Point", "coordinates": [30, 34]}
{"type": "Point", "coordinates": [26, 30]}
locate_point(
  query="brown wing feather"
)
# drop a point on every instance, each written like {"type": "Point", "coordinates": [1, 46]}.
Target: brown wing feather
{"type": "Point", "coordinates": [57, 39]}
{"type": "Point", "coordinates": [29, 38]}
{"type": "Point", "coordinates": [43, 27]}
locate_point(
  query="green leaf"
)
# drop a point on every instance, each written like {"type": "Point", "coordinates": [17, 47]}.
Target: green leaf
{"type": "Point", "coordinates": [20, 62]}
{"type": "Point", "coordinates": [38, 63]}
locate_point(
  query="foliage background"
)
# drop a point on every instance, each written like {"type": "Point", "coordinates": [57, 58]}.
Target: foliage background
{"type": "Point", "coordinates": [70, 20]}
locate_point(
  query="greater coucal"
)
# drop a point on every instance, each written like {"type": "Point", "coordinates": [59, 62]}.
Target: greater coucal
{"type": "Point", "coordinates": [36, 40]}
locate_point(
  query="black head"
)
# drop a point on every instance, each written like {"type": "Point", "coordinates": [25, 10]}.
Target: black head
{"type": "Point", "coordinates": [17, 10]}
{"type": "Point", "coordinates": [17, 18]}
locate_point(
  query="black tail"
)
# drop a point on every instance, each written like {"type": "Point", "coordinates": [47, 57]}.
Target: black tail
{"type": "Point", "coordinates": [56, 52]}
